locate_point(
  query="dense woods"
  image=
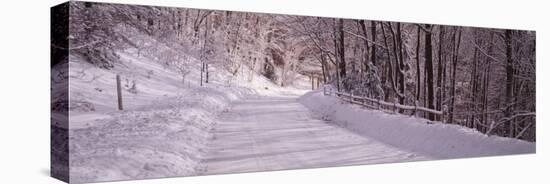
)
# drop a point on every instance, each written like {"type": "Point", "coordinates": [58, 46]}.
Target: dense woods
{"type": "Point", "coordinates": [480, 78]}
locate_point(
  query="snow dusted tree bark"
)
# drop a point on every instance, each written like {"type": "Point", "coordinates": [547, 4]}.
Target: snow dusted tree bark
{"type": "Point", "coordinates": [388, 67]}
{"type": "Point", "coordinates": [474, 90]}
{"type": "Point", "coordinates": [456, 49]}
{"type": "Point", "coordinates": [338, 54]}
{"type": "Point", "coordinates": [418, 74]}
{"type": "Point", "coordinates": [439, 100]}
{"type": "Point", "coordinates": [486, 84]}
{"type": "Point", "coordinates": [206, 49]}
{"type": "Point", "coordinates": [324, 67]}
{"type": "Point", "coordinates": [373, 48]}
{"type": "Point", "coordinates": [366, 43]}
{"type": "Point", "coordinates": [399, 73]}
{"type": "Point", "coordinates": [342, 48]}
{"type": "Point", "coordinates": [203, 51]}
{"type": "Point", "coordinates": [509, 81]}
{"type": "Point", "coordinates": [429, 68]}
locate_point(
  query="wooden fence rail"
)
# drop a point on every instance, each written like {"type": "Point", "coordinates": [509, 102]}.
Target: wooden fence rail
{"type": "Point", "coordinates": [378, 104]}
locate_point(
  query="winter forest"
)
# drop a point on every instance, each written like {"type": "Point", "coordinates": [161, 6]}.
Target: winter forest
{"type": "Point", "coordinates": [480, 81]}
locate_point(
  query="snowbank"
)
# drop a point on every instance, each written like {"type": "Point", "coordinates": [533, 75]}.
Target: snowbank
{"type": "Point", "coordinates": [161, 140]}
{"type": "Point", "coordinates": [414, 134]}
{"type": "Point", "coordinates": [162, 131]}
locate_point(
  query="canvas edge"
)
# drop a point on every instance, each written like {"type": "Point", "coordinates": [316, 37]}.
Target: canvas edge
{"type": "Point", "coordinates": [59, 93]}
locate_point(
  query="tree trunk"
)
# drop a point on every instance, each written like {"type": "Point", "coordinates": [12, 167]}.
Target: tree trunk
{"type": "Point", "coordinates": [342, 49]}
{"type": "Point", "coordinates": [473, 83]}
{"type": "Point", "coordinates": [203, 55]}
{"type": "Point", "coordinates": [186, 17]}
{"type": "Point", "coordinates": [509, 80]}
{"type": "Point", "coordinates": [388, 65]}
{"type": "Point", "coordinates": [485, 105]}
{"type": "Point", "coordinates": [418, 74]}
{"type": "Point", "coordinates": [366, 56]}
{"type": "Point", "coordinates": [429, 69]}
{"type": "Point", "coordinates": [337, 58]}
{"type": "Point", "coordinates": [206, 71]}
{"type": "Point", "coordinates": [453, 85]}
{"type": "Point", "coordinates": [440, 68]}
{"type": "Point", "coordinates": [401, 71]}
{"type": "Point", "coordinates": [202, 71]}
{"type": "Point", "coordinates": [373, 35]}
{"type": "Point", "coordinates": [399, 65]}
{"type": "Point", "coordinates": [323, 67]}
{"type": "Point", "coordinates": [312, 82]}
{"type": "Point", "coordinates": [206, 48]}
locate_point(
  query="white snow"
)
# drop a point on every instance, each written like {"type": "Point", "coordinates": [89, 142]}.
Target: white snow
{"type": "Point", "coordinates": [164, 126]}
{"type": "Point", "coordinates": [437, 140]}
{"type": "Point", "coordinates": [275, 133]}
{"type": "Point", "coordinates": [238, 124]}
{"type": "Point", "coordinates": [235, 124]}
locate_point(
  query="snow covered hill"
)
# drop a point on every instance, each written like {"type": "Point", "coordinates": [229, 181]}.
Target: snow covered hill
{"type": "Point", "coordinates": [435, 140]}
{"type": "Point", "coordinates": [165, 122]}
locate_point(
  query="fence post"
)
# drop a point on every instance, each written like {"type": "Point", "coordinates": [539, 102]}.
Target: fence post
{"type": "Point", "coordinates": [378, 104]}
{"type": "Point", "coordinates": [415, 109]}
{"type": "Point", "coordinates": [442, 116]}
{"type": "Point", "coordinates": [394, 107]}
{"type": "Point", "coordinates": [369, 101]}
{"type": "Point", "coordinates": [350, 97]}
{"type": "Point", "coordinates": [325, 90]}
{"type": "Point", "coordinates": [312, 81]}
{"type": "Point", "coordinates": [119, 92]}
{"type": "Point", "coordinates": [318, 81]}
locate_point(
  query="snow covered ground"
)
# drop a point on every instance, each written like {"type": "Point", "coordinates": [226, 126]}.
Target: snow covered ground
{"type": "Point", "coordinates": [161, 140]}
{"type": "Point", "coordinates": [165, 123]}
{"type": "Point", "coordinates": [435, 140]}
{"type": "Point", "coordinates": [275, 133]}
{"type": "Point", "coordinates": [173, 129]}
{"type": "Point", "coordinates": [236, 123]}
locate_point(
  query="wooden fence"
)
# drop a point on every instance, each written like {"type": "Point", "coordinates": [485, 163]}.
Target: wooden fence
{"type": "Point", "coordinates": [389, 107]}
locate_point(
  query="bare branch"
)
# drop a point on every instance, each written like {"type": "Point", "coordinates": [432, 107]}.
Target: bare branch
{"type": "Point", "coordinates": [484, 52]}
{"type": "Point", "coordinates": [366, 39]}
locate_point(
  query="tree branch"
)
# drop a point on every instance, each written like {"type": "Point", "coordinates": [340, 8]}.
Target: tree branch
{"type": "Point", "coordinates": [366, 39]}
{"type": "Point", "coordinates": [484, 52]}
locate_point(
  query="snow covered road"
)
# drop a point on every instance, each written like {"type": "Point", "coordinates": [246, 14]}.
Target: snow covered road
{"type": "Point", "coordinates": [275, 133]}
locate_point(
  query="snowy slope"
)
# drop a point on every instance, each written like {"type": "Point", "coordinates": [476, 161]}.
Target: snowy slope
{"type": "Point", "coordinates": [165, 122]}
{"type": "Point", "coordinates": [414, 134]}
